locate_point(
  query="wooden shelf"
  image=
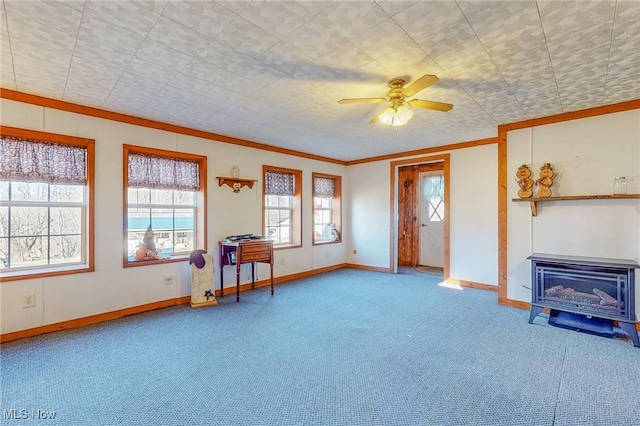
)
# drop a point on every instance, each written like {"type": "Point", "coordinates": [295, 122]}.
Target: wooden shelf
{"type": "Point", "coordinates": [235, 183]}
{"type": "Point", "coordinates": [534, 200]}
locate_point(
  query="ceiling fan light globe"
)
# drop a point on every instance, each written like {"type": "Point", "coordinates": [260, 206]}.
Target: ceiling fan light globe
{"type": "Point", "coordinates": [404, 114]}
{"type": "Point", "coordinates": [387, 116]}
{"type": "Point", "coordinates": [398, 122]}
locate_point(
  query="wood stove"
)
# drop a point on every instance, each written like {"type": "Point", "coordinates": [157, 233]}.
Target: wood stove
{"type": "Point", "coordinates": [593, 287]}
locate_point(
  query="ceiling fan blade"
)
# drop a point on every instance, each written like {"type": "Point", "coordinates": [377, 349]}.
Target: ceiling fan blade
{"type": "Point", "coordinates": [421, 83]}
{"type": "Point", "coordinates": [362, 101]}
{"type": "Point", "coordinates": [438, 106]}
{"type": "Point", "coordinates": [375, 119]}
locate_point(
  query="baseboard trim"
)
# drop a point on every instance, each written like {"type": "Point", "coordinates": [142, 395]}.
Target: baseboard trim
{"type": "Point", "coordinates": [230, 289]}
{"type": "Point", "coordinates": [368, 268]}
{"type": "Point", "coordinates": [471, 284]}
{"type": "Point", "coordinates": [108, 316]}
{"type": "Point", "coordinates": [514, 303]}
{"type": "Point", "coordinates": [93, 319]}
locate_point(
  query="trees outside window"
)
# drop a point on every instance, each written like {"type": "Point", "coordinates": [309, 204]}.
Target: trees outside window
{"type": "Point", "coordinates": [46, 204]}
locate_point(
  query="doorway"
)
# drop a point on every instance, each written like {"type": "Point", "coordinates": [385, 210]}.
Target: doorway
{"type": "Point", "coordinates": [412, 242]}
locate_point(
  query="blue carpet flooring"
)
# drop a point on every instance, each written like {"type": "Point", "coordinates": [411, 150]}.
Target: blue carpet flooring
{"type": "Point", "coordinates": [347, 347]}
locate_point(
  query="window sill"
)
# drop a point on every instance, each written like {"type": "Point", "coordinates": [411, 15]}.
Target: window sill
{"type": "Point", "coordinates": [322, 243]}
{"type": "Point", "coordinates": [132, 263]}
{"type": "Point", "coordinates": [45, 272]}
{"type": "Point", "coordinates": [286, 246]}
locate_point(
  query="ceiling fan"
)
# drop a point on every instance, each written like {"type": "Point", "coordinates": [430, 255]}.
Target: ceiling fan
{"type": "Point", "coordinates": [398, 113]}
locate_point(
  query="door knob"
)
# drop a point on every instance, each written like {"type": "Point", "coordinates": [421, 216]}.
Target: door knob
{"type": "Point", "coordinates": [423, 224]}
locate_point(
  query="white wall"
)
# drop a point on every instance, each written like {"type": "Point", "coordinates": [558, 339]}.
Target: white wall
{"type": "Point", "coordinates": [112, 287]}
{"type": "Point", "coordinates": [588, 154]}
{"type": "Point", "coordinates": [368, 205]}
{"type": "Point", "coordinates": [473, 214]}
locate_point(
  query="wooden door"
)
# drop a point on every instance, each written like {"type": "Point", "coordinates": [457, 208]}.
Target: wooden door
{"type": "Point", "coordinates": [407, 216]}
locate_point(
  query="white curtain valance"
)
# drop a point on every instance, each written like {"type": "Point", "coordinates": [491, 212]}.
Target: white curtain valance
{"type": "Point", "coordinates": [279, 183]}
{"type": "Point", "coordinates": [29, 160]}
{"type": "Point", "coordinates": [323, 187]}
{"type": "Point", "coordinates": [151, 171]}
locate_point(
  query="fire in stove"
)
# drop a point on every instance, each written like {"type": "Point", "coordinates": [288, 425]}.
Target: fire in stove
{"type": "Point", "coordinates": [598, 298]}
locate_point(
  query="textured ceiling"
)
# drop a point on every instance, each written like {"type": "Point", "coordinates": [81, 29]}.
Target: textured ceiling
{"type": "Point", "coordinates": [272, 71]}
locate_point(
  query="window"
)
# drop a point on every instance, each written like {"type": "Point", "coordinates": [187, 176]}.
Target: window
{"type": "Point", "coordinates": [327, 213]}
{"type": "Point", "coordinates": [46, 204]}
{"type": "Point", "coordinates": [282, 218]}
{"type": "Point", "coordinates": [164, 205]}
{"type": "Point", "coordinates": [434, 195]}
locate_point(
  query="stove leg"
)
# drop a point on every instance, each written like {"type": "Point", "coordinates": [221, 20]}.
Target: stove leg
{"type": "Point", "coordinates": [535, 310]}
{"type": "Point", "coordinates": [630, 329]}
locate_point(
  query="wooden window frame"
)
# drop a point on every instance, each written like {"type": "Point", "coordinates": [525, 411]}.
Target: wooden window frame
{"type": "Point", "coordinates": [88, 265]}
{"type": "Point", "coordinates": [200, 234]}
{"type": "Point", "coordinates": [296, 206]}
{"type": "Point", "coordinates": [336, 207]}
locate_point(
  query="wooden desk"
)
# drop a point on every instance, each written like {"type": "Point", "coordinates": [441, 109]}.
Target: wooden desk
{"type": "Point", "coordinates": [245, 251]}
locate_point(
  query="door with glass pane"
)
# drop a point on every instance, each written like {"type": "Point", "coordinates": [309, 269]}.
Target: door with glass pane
{"type": "Point", "coordinates": [432, 219]}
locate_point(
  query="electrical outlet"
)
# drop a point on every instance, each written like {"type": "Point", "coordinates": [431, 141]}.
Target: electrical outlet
{"type": "Point", "coordinates": [168, 280]}
{"type": "Point", "coordinates": [326, 254]}
{"type": "Point", "coordinates": [29, 300]}
{"type": "Point", "coordinates": [282, 262]}
{"type": "Point", "coordinates": [355, 251]}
